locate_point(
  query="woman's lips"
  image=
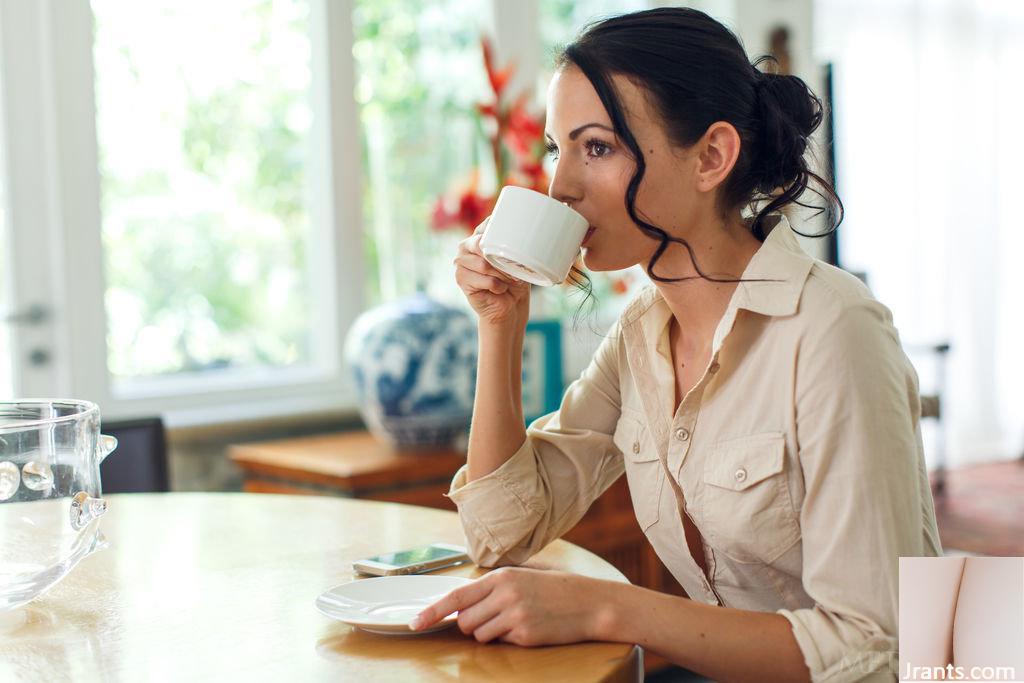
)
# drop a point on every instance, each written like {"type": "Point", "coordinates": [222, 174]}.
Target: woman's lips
{"type": "Point", "coordinates": [590, 231]}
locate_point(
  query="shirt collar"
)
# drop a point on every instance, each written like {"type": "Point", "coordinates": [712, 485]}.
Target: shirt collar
{"type": "Point", "coordinates": [783, 265]}
{"type": "Point", "coordinates": [780, 267]}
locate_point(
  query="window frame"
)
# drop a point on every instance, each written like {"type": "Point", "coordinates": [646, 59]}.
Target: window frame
{"type": "Point", "coordinates": [49, 117]}
{"type": "Point", "coordinates": [50, 114]}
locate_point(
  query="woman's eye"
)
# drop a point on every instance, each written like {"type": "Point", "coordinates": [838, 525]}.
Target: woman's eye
{"type": "Point", "coordinates": [597, 148]}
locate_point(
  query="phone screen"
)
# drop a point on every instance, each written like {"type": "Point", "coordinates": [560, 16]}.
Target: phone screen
{"type": "Point", "coordinates": [415, 556]}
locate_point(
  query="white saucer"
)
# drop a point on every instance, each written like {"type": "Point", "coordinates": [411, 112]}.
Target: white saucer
{"type": "Point", "coordinates": [386, 604]}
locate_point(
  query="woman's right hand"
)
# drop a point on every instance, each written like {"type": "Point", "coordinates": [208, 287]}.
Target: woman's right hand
{"type": "Point", "coordinates": [497, 298]}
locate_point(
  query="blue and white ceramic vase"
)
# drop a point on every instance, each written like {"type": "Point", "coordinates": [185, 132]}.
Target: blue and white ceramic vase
{"type": "Point", "coordinates": [414, 364]}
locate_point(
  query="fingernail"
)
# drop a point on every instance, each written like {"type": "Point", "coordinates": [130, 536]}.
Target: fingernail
{"type": "Point", "coordinates": [415, 623]}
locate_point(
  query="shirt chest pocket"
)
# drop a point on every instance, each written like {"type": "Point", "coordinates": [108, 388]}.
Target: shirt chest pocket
{"type": "Point", "coordinates": [644, 472]}
{"type": "Point", "coordinates": [745, 501]}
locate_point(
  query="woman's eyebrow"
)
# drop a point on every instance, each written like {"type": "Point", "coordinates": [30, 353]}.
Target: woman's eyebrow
{"type": "Point", "coordinates": [576, 133]}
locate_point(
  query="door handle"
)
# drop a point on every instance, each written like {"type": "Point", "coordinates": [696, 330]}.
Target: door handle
{"type": "Point", "coordinates": [36, 314]}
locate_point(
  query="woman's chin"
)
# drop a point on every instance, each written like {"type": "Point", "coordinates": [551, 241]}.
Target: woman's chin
{"type": "Point", "coordinates": [593, 262]}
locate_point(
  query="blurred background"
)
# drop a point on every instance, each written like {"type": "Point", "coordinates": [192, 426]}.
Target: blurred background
{"type": "Point", "coordinates": [199, 199]}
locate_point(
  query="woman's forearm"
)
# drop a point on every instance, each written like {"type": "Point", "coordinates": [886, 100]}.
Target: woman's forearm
{"type": "Point", "coordinates": [721, 643]}
{"type": "Point", "coordinates": [497, 430]}
{"type": "Point", "coordinates": [517, 374]}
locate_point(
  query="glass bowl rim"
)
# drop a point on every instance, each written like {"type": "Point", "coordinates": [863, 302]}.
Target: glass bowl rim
{"type": "Point", "coordinates": [86, 408]}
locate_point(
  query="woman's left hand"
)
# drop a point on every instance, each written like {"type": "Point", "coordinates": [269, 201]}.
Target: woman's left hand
{"type": "Point", "coordinates": [525, 607]}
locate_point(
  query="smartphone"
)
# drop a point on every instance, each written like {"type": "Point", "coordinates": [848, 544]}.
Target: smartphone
{"type": "Point", "coordinates": [414, 561]}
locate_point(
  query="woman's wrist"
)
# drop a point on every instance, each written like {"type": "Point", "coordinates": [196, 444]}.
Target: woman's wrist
{"type": "Point", "coordinates": [505, 329]}
{"type": "Point", "coordinates": [607, 612]}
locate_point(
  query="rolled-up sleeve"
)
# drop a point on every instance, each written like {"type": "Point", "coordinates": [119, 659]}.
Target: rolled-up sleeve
{"type": "Point", "coordinates": [545, 488]}
{"type": "Point", "coordinates": [859, 447]}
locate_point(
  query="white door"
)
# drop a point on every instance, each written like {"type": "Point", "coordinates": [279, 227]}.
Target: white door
{"type": "Point", "coordinates": [32, 360]}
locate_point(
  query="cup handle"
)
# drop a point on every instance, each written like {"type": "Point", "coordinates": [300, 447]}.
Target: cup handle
{"type": "Point", "coordinates": [106, 447]}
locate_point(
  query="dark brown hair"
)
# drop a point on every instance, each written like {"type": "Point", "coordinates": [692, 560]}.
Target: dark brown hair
{"type": "Point", "coordinates": [697, 73]}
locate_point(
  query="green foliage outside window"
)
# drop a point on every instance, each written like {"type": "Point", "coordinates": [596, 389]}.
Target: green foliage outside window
{"type": "Point", "coordinates": [202, 118]}
{"type": "Point", "coordinates": [418, 75]}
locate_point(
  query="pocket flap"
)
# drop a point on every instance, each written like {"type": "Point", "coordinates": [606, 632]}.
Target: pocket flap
{"type": "Point", "coordinates": [631, 438]}
{"type": "Point", "coordinates": [738, 464]}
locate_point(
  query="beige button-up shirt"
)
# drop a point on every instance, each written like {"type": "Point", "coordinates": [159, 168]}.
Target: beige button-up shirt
{"type": "Point", "coordinates": [798, 455]}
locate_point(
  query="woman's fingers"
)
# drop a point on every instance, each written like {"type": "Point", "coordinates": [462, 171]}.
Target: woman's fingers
{"type": "Point", "coordinates": [475, 282]}
{"type": "Point", "coordinates": [471, 281]}
{"type": "Point", "coordinates": [470, 245]}
{"type": "Point", "coordinates": [453, 601]}
{"type": "Point", "coordinates": [493, 294]}
{"type": "Point", "coordinates": [470, 256]}
{"type": "Point", "coordinates": [473, 617]}
{"type": "Point", "coordinates": [492, 629]}
{"type": "Point", "coordinates": [469, 267]}
{"type": "Point", "coordinates": [479, 264]}
{"type": "Point", "coordinates": [479, 230]}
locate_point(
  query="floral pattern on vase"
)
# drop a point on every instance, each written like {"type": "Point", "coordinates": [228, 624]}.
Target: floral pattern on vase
{"type": "Point", "coordinates": [414, 365]}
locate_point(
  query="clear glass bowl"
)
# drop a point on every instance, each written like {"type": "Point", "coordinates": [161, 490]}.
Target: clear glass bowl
{"type": "Point", "coordinates": [50, 495]}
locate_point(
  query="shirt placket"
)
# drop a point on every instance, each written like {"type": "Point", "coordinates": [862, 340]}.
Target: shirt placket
{"type": "Point", "coordinates": [682, 427]}
{"type": "Point", "coordinates": [685, 419]}
{"type": "Point", "coordinates": [674, 436]}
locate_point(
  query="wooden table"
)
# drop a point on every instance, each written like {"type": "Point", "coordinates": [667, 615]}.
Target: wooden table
{"type": "Point", "coordinates": [355, 464]}
{"type": "Point", "coordinates": [221, 587]}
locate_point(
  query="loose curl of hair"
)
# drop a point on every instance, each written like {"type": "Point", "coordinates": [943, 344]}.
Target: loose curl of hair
{"type": "Point", "coordinates": [696, 73]}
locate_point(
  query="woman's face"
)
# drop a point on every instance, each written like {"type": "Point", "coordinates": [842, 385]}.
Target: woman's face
{"type": "Point", "coordinates": [594, 167]}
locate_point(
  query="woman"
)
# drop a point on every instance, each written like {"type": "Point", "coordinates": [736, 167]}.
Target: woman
{"type": "Point", "coordinates": [757, 400]}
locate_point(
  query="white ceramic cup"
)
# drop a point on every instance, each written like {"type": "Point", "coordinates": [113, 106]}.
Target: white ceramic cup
{"type": "Point", "coordinates": [533, 237]}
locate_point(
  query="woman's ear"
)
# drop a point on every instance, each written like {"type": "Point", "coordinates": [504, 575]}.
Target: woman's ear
{"type": "Point", "coordinates": [719, 149]}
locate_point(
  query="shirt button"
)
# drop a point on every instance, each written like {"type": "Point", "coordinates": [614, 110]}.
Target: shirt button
{"type": "Point", "coordinates": [636, 446]}
{"type": "Point", "coordinates": [682, 434]}
{"type": "Point", "coordinates": [740, 474]}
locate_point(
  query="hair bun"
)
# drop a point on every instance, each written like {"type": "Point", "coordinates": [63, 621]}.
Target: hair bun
{"type": "Point", "coordinates": [789, 113]}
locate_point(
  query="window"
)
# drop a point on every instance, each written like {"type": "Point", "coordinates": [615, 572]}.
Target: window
{"type": "Point", "coordinates": [6, 307]}
{"type": "Point", "coordinates": [419, 74]}
{"type": "Point", "coordinates": [561, 20]}
{"type": "Point", "coordinates": [185, 197]}
{"type": "Point", "coordinates": [939, 239]}
{"type": "Point", "coordinates": [208, 194]}
{"type": "Point", "coordinates": [203, 120]}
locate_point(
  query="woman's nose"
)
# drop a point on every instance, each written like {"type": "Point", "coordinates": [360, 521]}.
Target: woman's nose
{"type": "Point", "coordinates": [564, 187]}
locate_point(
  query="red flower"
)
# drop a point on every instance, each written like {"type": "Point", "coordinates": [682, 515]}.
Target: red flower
{"type": "Point", "coordinates": [441, 218]}
{"type": "Point", "coordinates": [516, 147]}
{"type": "Point", "coordinates": [488, 110]}
{"type": "Point", "coordinates": [524, 130]}
{"type": "Point", "coordinates": [473, 209]}
{"type": "Point", "coordinates": [498, 77]}
{"type": "Point", "coordinates": [535, 172]}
